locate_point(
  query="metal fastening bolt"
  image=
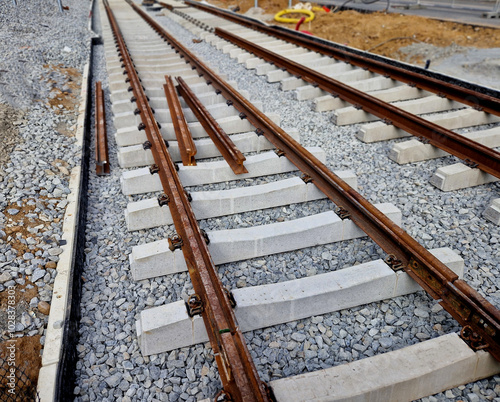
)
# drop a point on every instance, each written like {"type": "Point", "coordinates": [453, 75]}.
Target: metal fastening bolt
{"type": "Point", "coordinates": [133, 99]}
{"type": "Point", "coordinates": [469, 163]}
{"type": "Point", "coordinates": [342, 213]}
{"type": "Point", "coordinates": [242, 116]}
{"type": "Point", "coordinates": [205, 236]}
{"type": "Point", "coordinates": [130, 89]}
{"type": "Point", "coordinates": [166, 143]}
{"type": "Point", "coordinates": [218, 91]}
{"type": "Point", "coordinates": [306, 178]}
{"type": "Point", "coordinates": [259, 132]}
{"type": "Point", "coordinates": [159, 125]}
{"type": "Point", "coordinates": [175, 242]}
{"type": "Point", "coordinates": [229, 102]}
{"type": "Point", "coordinates": [279, 152]}
{"type": "Point", "coordinates": [141, 126]}
{"type": "Point", "coordinates": [394, 262]}
{"type": "Point", "coordinates": [194, 305]}
{"type": "Point", "coordinates": [230, 296]}
{"type": "Point", "coordinates": [163, 199]}
{"type": "Point", "coordinates": [147, 145]}
{"type": "Point", "coordinates": [188, 195]}
{"type": "Point", "coordinates": [154, 169]}
{"type": "Point", "coordinates": [137, 111]}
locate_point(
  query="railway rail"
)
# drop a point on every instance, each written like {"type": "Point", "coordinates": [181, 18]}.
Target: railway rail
{"type": "Point", "coordinates": [473, 153]}
{"type": "Point", "coordinates": [171, 125]}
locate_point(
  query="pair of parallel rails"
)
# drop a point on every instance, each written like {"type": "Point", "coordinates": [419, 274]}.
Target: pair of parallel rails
{"type": "Point", "coordinates": [480, 320]}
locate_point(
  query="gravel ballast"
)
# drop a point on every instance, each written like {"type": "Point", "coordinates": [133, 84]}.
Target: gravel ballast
{"type": "Point", "coordinates": [110, 365]}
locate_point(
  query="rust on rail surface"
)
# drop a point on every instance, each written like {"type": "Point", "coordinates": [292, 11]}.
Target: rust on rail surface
{"type": "Point", "coordinates": [101, 140]}
{"type": "Point", "coordinates": [187, 148]}
{"type": "Point", "coordinates": [480, 318]}
{"type": "Point", "coordinates": [237, 372]}
{"type": "Point", "coordinates": [464, 148]}
{"type": "Point", "coordinates": [467, 96]}
{"type": "Point", "coordinates": [224, 144]}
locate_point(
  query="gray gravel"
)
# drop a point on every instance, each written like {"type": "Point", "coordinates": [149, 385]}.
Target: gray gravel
{"type": "Point", "coordinates": [110, 365]}
{"type": "Point", "coordinates": [43, 56]}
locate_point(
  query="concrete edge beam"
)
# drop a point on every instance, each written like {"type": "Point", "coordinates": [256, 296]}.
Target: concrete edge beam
{"type": "Point", "coordinates": [156, 259]}
{"type": "Point", "coordinates": [267, 163]}
{"type": "Point", "coordinates": [137, 156]}
{"type": "Point", "coordinates": [428, 104]}
{"type": "Point", "coordinates": [458, 176]}
{"type": "Point", "coordinates": [492, 213]}
{"type": "Point", "coordinates": [411, 373]}
{"type": "Point", "coordinates": [467, 117]}
{"type": "Point", "coordinates": [231, 125]}
{"type": "Point", "coordinates": [146, 214]}
{"type": "Point", "coordinates": [169, 327]}
{"type": "Point", "coordinates": [416, 151]}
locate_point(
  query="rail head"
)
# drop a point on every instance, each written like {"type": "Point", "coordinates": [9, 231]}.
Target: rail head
{"type": "Point", "coordinates": [187, 147]}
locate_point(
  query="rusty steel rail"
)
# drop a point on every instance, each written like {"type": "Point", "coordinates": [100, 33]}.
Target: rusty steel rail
{"type": "Point", "coordinates": [101, 140]}
{"type": "Point", "coordinates": [471, 151]}
{"type": "Point", "coordinates": [224, 144]}
{"type": "Point", "coordinates": [467, 96]}
{"type": "Point", "coordinates": [480, 319]}
{"type": "Point", "coordinates": [237, 372]}
{"type": "Point", "coordinates": [187, 147]}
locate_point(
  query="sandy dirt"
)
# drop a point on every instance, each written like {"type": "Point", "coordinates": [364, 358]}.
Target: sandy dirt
{"type": "Point", "coordinates": [379, 33]}
{"type": "Point", "coordinates": [21, 358]}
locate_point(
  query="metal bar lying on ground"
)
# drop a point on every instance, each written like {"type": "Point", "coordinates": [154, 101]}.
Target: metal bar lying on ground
{"type": "Point", "coordinates": [187, 148]}
{"type": "Point", "coordinates": [471, 151]}
{"type": "Point", "coordinates": [237, 372]}
{"type": "Point", "coordinates": [467, 96]}
{"type": "Point", "coordinates": [101, 141]}
{"type": "Point", "coordinates": [479, 318]}
{"type": "Point", "coordinates": [226, 147]}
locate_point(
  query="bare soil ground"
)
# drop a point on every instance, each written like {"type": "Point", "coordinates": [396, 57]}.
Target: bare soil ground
{"type": "Point", "coordinates": [379, 33]}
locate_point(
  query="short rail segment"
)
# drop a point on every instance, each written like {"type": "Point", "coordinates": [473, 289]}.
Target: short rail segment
{"type": "Point", "coordinates": [187, 148]}
{"type": "Point", "coordinates": [481, 156]}
{"type": "Point", "coordinates": [224, 144]}
{"type": "Point", "coordinates": [467, 96]}
{"type": "Point", "coordinates": [101, 141]}
{"type": "Point", "coordinates": [479, 318]}
{"type": "Point", "coordinates": [237, 372]}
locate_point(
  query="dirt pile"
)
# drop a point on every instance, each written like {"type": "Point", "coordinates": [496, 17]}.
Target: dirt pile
{"type": "Point", "coordinates": [380, 33]}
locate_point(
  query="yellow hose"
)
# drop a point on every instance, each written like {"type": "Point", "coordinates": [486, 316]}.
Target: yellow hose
{"type": "Point", "coordinates": [278, 17]}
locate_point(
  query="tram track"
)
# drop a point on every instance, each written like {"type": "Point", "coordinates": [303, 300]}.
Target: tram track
{"type": "Point", "coordinates": [477, 315]}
